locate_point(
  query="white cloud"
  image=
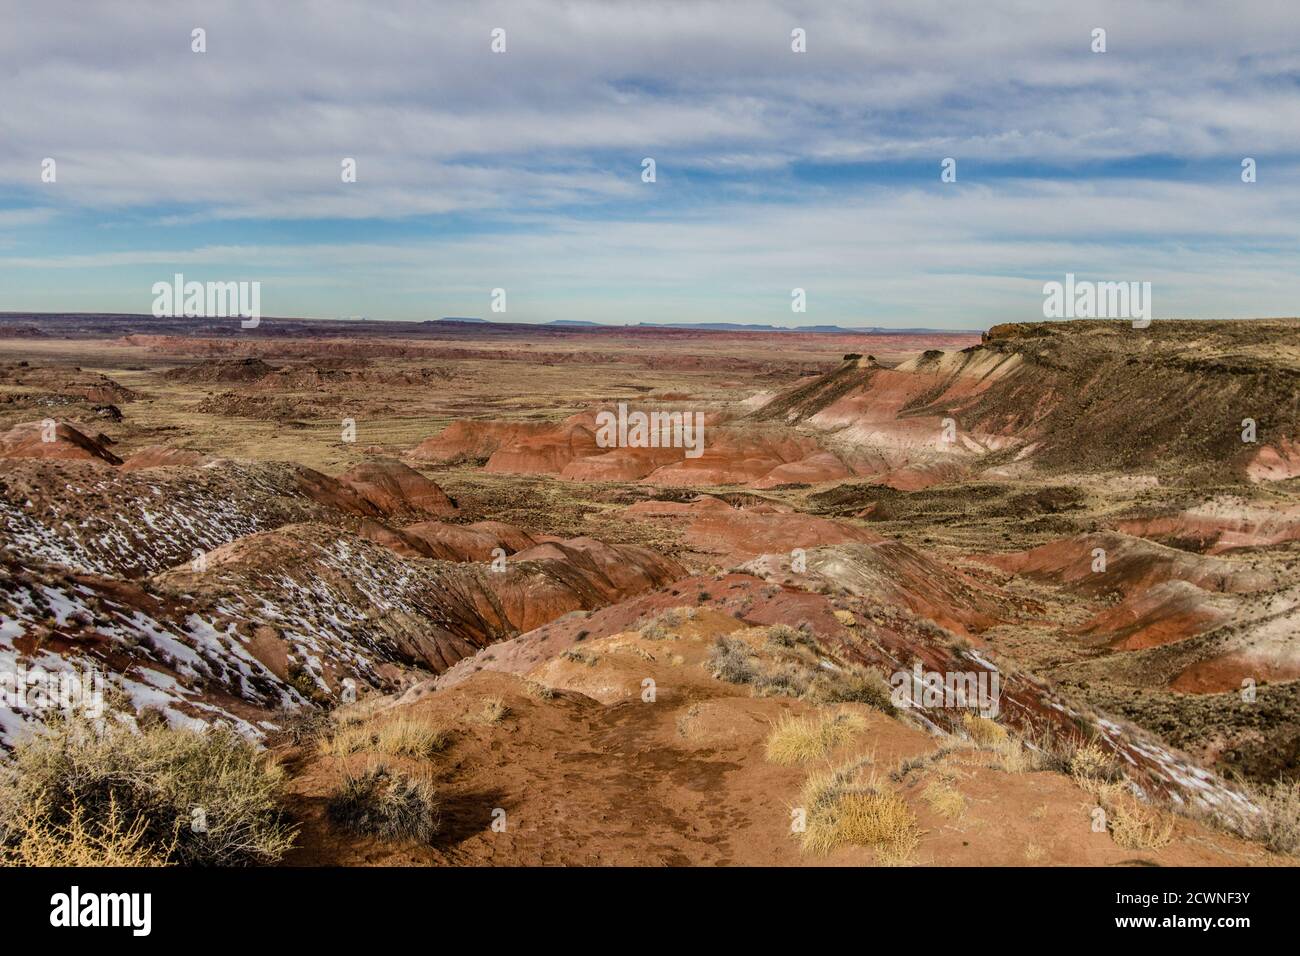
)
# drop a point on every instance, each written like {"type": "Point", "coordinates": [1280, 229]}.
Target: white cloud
{"type": "Point", "coordinates": [540, 143]}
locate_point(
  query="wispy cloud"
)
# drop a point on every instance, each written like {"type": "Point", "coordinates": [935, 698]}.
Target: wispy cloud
{"type": "Point", "coordinates": [775, 169]}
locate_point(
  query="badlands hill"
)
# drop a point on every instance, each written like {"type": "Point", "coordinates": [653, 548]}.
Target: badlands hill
{"type": "Point", "coordinates": [1083, 397]}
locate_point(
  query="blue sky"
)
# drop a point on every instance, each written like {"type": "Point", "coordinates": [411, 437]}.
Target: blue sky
{"type": "Point", "coordinates": [775, 170]}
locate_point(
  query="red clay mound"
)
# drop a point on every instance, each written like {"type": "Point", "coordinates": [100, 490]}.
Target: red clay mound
{"type": "Point", "coordinates": [398, 541]}
{"type": "Point", "coordinates": [28, 440]}
{"type": "Point", "coordinates": [1222, 674]}
{"type": "Point", "coordinates": [475, 440]}
{"type": "Point", "coordinates": [545, 452]}
{"type": "Point", "coordinates": [1220, 524]}
{"type": "Point", "coordinates": [333, 493]}
{"type": "Point", "coordinates": [736, 456]}
{"type": "Point", "coordinates": [762, 455]}
{"type": "Point", "coordinates": [163, 456]}
{"type": "Point", "coordinates": [65, 381]}
{"type": "Point", "coordinates": [1168, 612]}
{"type": "Point", "coordinates": [1132, 565]}
{"type": "Point", "coordinates": [469, 542]}
{"type": "Point", "coordinates": [617, 570]}
{"type": "Point", "coordinates": [393, 487]}
{"type": "Point", "coordinates": [894, 574]}
{"type": "Point", "coordinates": [717, 528]}
{"type": "Point", "coordinates": [891, 422]}
{"type": "Point", "coordinates": [1275, 462]}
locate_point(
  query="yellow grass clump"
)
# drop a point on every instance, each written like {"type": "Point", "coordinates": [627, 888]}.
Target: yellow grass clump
{"type": "Point", "coordinates": [493, 711]}
{"type": "Point", "coordinates": [842, 811]}
{"type": "Point", "coordinates": [403, 736]}
{"type": "Point", "coordinates": [801, 739]}
{"type": "Point", "coordinates": [983, 731]}
{"type": "Point", "coordinates": [944, 800]}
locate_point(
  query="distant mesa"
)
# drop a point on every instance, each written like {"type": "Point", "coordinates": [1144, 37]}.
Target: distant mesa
{"type": "Point", "coordinates": [221, 370]}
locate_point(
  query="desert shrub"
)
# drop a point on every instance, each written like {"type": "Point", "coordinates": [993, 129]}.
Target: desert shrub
{"type": "Point", "coordinates": [730, 660]}
{"type": "Point", "coordinates": [660, 627]}
{"type": "Point", "coordinates": [851, 684]}
{"type": "Point", "coordinates": [305, 724]}
{"type": "Point", "coordinates": [800, 739]}
{"type": "Point", "coordinates": [539, 690]}
{"type": "Point", "coordinates": [782, 679]}
{"type": "Point", "coordinates": [984, 732]}
{"type": "Point", "coordinates": [654, 631]}
{"type": "Point", "coordinates": [1134, 824]}
{"type": "Point", "coordinates": [782, 635]}
{"type": "Point", "coordinates": [138, 793]}
{"type": "Point", "coordinates": [1277, 825]}
{"type": "Point", "coordinates": [944, 799]}
{"type": "Point", "coordinates": [305, 683]}
{"type": "Point", "coordinates": [387, 804]}
{"type": "Point", "coordinates": [909, 765]}
{"type": "Point", "coordinates": [36, 841]}
{"type": "Point", "coordinates": [1092, 761]}
{"type": "Point", "coordinates": [493, 711]}
{"type": "Point", "coordinates": [798, 671]}
{"type": "Point", "coordinates": [844, 810]}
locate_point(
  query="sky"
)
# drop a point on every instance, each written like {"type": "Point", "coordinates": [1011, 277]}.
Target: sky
{"type": "Point", "coordinates": [774, 170]}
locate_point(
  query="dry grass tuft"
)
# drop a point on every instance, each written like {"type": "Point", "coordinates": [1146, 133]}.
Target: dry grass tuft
{"type": "Point", "coordinates": [387, 804]}
{"type": "Point", "coordinates": [684, 720]}
{"type": "Point", "coordinates": [800, 739]}
{"type": "Point", "coordinates": [1133, 823]}
{"type": "Point", "coordinates": [403, 736]}
{"type": "Point", "coordinates": [944, 800]}
{"type": "Point", "coordinates": [494, 711]}
{"type": "Point", "coordinates": [348, 739]}
{"type": "Point", "coordinates": [1012, 756]}
{"type": "Point", "coordinates": [845, 810]}
{"type": "Point", "coordinates": [408, 737]}
{"type": "Point", "coordinates": [984, 732]}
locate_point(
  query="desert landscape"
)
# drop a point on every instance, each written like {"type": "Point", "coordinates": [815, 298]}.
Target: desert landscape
{"type": "Point", "coordinates": [649, 471]}
{"type": "Point", "coordinates": [382, 593]}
